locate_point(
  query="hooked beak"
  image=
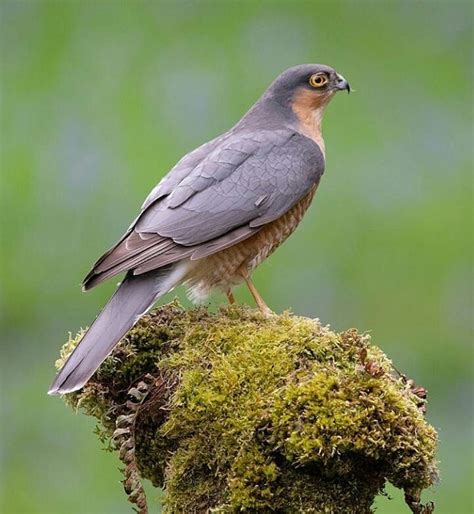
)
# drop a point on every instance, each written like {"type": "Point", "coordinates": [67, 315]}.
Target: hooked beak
{"type": "Point", "coordinates": [342, 84]}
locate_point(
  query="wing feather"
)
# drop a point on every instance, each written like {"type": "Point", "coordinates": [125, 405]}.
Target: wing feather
{"type": "Point", "coordinates": [219, 195]}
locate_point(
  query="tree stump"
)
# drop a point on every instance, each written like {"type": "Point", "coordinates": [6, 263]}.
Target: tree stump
{"type": "Point", "coordinates": [234, 412]}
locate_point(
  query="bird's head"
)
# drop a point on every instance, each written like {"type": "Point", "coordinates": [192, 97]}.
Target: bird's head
{"type": "Point", "coordinates": [307, 88]}
{"type": "Point", "coordinates": [316, 81]}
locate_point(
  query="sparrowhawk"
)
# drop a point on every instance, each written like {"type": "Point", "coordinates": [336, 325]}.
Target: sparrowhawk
{"type": "Point", "coordinates": [222, 210]}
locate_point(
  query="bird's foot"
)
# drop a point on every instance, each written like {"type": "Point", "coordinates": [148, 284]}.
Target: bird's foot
{"type": "Point", "coordinates": [266, 311]}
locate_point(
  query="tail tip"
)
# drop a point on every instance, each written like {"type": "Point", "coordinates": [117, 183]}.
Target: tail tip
{"type": "Point", "coordinates": [55, 388]}
{"type": "Point", "coordinates": [59, 389]}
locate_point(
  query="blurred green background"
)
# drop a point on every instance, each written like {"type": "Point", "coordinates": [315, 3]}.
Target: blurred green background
{"type": "Point", "coordinates": [100, 99]}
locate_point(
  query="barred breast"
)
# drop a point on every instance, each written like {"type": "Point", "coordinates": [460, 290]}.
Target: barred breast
{"type": "Point", "coordinates": [224, 269]}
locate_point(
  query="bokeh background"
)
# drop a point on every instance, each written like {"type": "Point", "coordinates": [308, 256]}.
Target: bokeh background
{"type": "Point", "coordinates": [100, 99]}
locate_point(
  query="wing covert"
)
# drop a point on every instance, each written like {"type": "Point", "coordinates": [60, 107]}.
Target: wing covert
{"type": "Point", "coordinates": [262, 175]}
{"type": "Point", "coordinates": [216, 196]}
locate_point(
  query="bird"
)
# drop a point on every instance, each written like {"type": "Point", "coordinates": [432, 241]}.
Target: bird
{"type": "Point", "coordinates": [217, 214]}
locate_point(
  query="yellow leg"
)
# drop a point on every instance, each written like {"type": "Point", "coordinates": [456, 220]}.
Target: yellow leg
{"type": "Point", "coordinates": [264, 309]}
{"type": "Point", "coordinates": [230, 296]}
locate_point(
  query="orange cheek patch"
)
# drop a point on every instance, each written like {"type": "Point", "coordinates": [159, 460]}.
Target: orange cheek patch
{"type": "Point", "coordinates": [309, 106]}
{"type": "Point", "coordinates": [305, 101]}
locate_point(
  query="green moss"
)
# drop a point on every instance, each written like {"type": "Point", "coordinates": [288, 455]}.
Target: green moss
{"type": "Point", "coordinates": [258, 415]}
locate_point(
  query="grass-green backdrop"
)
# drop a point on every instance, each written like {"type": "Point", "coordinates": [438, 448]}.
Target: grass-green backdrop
{"type": "Point", "coordinates": [100, 99]}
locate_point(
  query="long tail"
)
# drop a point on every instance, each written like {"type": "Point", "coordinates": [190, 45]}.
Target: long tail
{"type": "Point", "coordinates": [133, 298]}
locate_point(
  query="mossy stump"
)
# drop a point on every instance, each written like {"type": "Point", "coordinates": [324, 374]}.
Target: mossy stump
{"type": "Point", "coordinates": [232, 412]}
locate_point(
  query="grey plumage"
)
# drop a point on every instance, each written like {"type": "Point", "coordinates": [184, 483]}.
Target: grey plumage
{"type": "Point", "coordinates": [131, 300]}
{"type": "Point", "coordinates": [219, 198]}
{"type": "Point", "coordinates": [218, 195]}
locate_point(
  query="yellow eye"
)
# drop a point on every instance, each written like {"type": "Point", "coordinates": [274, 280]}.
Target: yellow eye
{"type": "Point", "coordinates": [318, 80]}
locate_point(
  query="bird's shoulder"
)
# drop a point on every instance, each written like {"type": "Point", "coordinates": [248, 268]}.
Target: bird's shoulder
{"type": "Point", "coordinates": [217, 159]}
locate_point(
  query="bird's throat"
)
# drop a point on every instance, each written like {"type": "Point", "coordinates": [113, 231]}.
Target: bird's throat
{"type": "Point", "coordinates": [309, 110]}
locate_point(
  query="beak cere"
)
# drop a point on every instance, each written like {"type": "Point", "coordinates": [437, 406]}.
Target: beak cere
{"type": "Point", "coordinates": [342, 84]}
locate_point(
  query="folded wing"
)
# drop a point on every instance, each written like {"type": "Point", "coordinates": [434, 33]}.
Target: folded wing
{"type": "Point", "coordinates": [218, 195]}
